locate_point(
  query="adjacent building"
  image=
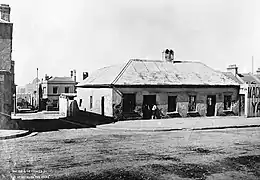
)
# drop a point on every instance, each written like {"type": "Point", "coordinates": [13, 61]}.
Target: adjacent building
{"type": "Point", "coordinates": [28, 94]}
{"type": "Point", "coordinates": [7, 90]}
{"type": "Point", "coordinates": [249, 93]}
{"type": "Point", "coordinates": [178, 88]}
{"type": "Point", "coordinates": [53, 87]}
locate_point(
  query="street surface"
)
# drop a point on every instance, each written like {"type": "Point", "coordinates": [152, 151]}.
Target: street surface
{"type": "Point", "coordinates": [110, 154]}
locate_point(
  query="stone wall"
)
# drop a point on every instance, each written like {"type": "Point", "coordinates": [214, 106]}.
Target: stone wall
{"type": "Point", "coordinates": [5, 46]}
{"type": "Point", "coordinates": [182, 98]}
{"type": "Point", "coordinates": [6, 77]}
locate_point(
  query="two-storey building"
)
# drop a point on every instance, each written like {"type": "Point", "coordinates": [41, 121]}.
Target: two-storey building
{"type": "Point", "coordinates": [52, 88]}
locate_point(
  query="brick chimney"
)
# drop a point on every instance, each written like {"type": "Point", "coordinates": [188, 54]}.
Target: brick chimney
{"type": "Point", "coordinates": [85, 75]}
{"type": "Point", "coordinates": [233, 69]}
{"type": "Point", "coordinates": [168, 55]}
{"type": "Point", "coordinates": [74, 75]}
{"type": "Point", "coordinates": [258, 71]}
{"type": "Point", "coordinates": [5, 12]}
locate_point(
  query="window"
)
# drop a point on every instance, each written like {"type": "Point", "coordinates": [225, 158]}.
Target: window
{"type": "Point", "coordinates": [44, 90]}
{"type": "Point", "coordinates": [91, 102]}
{"type": "Point", "coordinates": [128, 102]}
{"type": "Point", "coordinates": [67, 89]}
{"type": "Point", "coordinates": [192, 103]}
{"type": "Point", "coordinates": [80, 102]}
{"type": "Point", "coordinates": [55, 90]}
{"type": "Point", "coordinates": [172, 103]}
{"type": "Point", "coordinates": [227, 102]}
{"type": "Point", "coordinates": [55, 103]}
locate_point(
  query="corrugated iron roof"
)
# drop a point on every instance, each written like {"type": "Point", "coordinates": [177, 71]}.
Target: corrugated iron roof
{"type": "Point", "coordinates": [151, 72]}
{"type": "Point", "coordinates": [249, 78]}
{"type": "Point", "coordinates": [61, 79]}
{"type": "Point", "coordinates": [231, 75]}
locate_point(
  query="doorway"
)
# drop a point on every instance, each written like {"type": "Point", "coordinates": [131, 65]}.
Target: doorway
{"type": "Point", "coordinates": [241, 104]}
{"type": "Point", "coordinates": [211, 102]}
{"type": "Point", "coordinates": [148, 102]}
{"type": "Point", "coordinates": [102, 105]}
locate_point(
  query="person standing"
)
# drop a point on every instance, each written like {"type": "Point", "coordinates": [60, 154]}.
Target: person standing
{"type": "Point", "coordinates": [154, 108]}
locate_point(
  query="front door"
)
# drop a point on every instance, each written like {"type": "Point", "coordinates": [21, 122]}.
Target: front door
{"type": "Point", "coordinates": [211, 102]}
{"type": "Point", "coordinates": [242, 105]}
{"type": "Point", "coordinates": [148, 102]}
{"type": "Point", "coordinates": [102, 106]}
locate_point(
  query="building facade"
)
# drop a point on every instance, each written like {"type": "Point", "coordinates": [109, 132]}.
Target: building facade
{"type": "Point", "coordinates": [29, 94]}
{"type": "Point", "coordinates": [7, 90]}
{"type": "Point", "coordinates": [178, 88]}
{"type": "Point", "coordinates": [249, 93]}
{"type": "Point", "coordinates": [52, 88]}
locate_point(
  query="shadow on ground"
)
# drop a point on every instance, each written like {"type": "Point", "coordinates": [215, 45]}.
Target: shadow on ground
{"type": "Point", "coordinates": [243, 167]}
{"type": "Point", "coordinates": [80, 120]}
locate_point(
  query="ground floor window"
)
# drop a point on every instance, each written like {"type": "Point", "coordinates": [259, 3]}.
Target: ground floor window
{"type": "Point", "coordinates": [128, 102]}
{"type": "Point", "coordinates": [192, 103]}
{"type": "Point", "coordinates": [80, 102]}
{"type": "Point", "coordinates": [227, 102]}
{"type": "Point", "coordinates": [172, 103]}
{"type": "Point", "coordinates": [55, 103]}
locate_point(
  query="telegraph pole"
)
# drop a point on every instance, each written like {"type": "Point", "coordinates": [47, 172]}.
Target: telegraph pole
{"type": "Point", "coordinates": [252, 64]}
{"type": "Point", "coordinates": [37, 92]}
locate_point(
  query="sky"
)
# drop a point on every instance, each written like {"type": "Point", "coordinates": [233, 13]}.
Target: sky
{"type": "Point", "coordinates": [57, 36]}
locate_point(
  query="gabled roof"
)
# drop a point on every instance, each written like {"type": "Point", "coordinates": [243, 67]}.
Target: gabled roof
{"type": "Point", "coordinates": [151, 72]}
{"type": "Point", "coordinates": [61, 80]}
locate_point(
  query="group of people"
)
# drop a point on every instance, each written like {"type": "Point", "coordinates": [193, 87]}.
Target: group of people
{"type": "Point", "coordinates": [151, 112]}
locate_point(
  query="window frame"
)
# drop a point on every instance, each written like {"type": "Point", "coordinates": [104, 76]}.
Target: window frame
{"type": "Point", "coordinates": [194, 104]}
{"type": "Point", "coordinates": [55, 87]}
{"type": "Point", "coordinates": [67, 88]}
{"type": "Point", "coordinates": [229, 108]}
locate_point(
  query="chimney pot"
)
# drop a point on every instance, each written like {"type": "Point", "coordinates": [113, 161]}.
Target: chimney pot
{"type": "Point", "coordinates": [169, 55]}
{"type": "Point", "coordinates": [233, 69]}
{"type": "Point", "coordinates": [75, 76]}
{"type": "Point", "coordinates": [5, 12]}
{"type": "Point", "coordinates": [85, 75]}
{"type": "Point", "coordinates": [258, 71]}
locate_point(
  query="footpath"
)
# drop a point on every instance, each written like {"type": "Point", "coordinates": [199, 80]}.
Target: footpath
{"type": "Point", "coordinates": [174, 124]}
{"type": "Point", "coordinates": [10, 134]}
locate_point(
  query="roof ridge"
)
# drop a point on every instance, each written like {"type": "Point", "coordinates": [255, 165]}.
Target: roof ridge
{"type": "Point", "coordinates": [122, 71]}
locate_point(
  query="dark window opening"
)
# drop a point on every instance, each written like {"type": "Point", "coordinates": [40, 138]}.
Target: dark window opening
{"type": "Point", "coordinates": [192, 103]}
{"type": "Point", "coordinates": [55, 90]}
{"type": "Point", "coordinates": [90, 102]}
{"type": "Point", "coordinates": [128, 102]}
{"type": "Point", "coordinates": [67, 89]}
{"type": "Point", "coordinates": [227, 102]}
{"type": "Point", "coordinates": [172, 103]}
{"type": "Point", "coordinates": [55, 103]}
{"type": "Point", "coordinates": [80, 102]}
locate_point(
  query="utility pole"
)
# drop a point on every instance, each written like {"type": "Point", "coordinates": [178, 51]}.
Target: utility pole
{"type": "Point", "coordinates": [252, 64]}
{"type": "Point", "coordinates": [37, 92]}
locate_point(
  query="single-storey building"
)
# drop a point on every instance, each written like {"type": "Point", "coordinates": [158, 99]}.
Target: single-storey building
{"type": "Point", "coordinates": [182, 88]}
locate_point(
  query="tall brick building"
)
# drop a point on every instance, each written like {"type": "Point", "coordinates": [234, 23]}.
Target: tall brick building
{"type": "Point", "coordinates": [7, 87]}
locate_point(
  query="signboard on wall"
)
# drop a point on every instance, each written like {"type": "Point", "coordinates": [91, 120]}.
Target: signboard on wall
{"type": "Point", "coordinates": [253, 100]}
